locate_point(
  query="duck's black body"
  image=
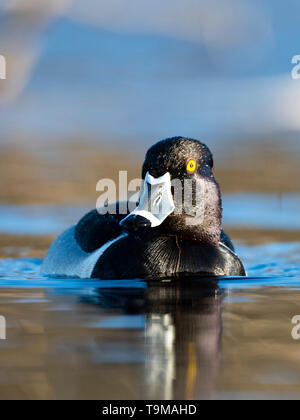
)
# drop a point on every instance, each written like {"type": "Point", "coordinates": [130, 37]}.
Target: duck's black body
{"type": "Point", "coordinates": [99, 246]}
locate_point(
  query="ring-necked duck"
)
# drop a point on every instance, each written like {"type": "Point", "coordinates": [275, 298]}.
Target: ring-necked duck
{"type": "Point", "coordinates": [175, 230]}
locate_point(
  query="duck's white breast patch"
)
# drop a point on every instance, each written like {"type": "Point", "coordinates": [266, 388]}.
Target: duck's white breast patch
{"type": "Point", "coordinates": [65, 257]}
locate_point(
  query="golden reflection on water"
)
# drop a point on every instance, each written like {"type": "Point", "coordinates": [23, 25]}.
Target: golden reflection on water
{"type": "Point", "coordinates": [160, 342]}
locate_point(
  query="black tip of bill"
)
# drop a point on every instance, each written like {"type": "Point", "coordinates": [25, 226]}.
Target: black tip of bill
{"type": "Point", "coordinates": [134, 222]}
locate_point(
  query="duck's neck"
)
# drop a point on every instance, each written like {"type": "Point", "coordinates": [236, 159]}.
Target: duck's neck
{"type": "Point", "coordinates": [209, 231]}
{"type": "Point", "coordinates": [206, 227]}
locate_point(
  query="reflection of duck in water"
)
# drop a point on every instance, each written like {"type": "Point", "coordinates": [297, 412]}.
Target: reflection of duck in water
{"type": "Point", "coordinates": [175, 230]}
{"type": "Point", "coordinates": [182, 335]}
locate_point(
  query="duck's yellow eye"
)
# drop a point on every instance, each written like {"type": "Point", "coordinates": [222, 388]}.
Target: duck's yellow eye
{"type": "Point", "coordinates": [191, 166]}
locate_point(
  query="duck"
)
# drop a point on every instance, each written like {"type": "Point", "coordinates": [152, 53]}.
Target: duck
{"type": "Point", "coordinates": [174, 231]}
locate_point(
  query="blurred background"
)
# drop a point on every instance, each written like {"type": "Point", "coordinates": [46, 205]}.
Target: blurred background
{"type": "Point", "coordinates": [91, 85]}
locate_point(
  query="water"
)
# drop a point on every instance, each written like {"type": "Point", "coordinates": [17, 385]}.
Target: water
{"type": "Point", "coordinates": [74, 338]}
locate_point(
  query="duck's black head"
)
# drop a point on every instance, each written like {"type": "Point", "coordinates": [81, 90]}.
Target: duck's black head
{"type": "Point", "coordinates": [180, 195]}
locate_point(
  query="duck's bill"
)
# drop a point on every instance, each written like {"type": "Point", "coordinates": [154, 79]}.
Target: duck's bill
{"type": "Point", "coordinates": [155, 205]}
